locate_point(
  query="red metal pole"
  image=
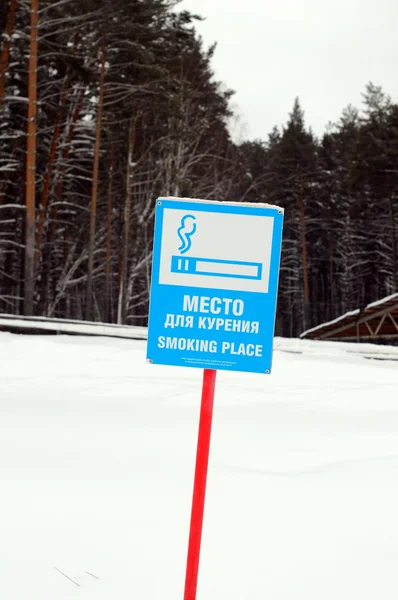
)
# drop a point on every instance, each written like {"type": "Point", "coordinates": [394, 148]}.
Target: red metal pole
{"type": "Point", "coordinates": [199, 489]}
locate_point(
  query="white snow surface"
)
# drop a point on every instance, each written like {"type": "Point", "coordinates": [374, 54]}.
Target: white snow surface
{"type": "Point", "coordinates": [224, 203]}
{"type": "Point", "coordinates": [97, 453]}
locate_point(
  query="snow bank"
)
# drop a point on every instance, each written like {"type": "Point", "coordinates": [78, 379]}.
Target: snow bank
{"type": "Point", "coordinates": [61, 326]}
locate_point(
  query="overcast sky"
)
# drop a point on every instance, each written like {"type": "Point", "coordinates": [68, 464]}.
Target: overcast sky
{"type": "Point", "coordinates": [324, 51]}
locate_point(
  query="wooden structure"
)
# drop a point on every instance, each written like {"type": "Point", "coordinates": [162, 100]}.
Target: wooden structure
{"type": "Point", "coordinates": [377, 321]}
{"type": "Point", "coordinates": [46, 326]}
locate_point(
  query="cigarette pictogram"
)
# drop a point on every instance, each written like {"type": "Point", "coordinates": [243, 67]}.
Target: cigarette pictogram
{"type": "Point", "coordinates": [216, 267]}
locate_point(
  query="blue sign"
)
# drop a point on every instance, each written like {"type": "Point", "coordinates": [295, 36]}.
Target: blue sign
{"type": "Point", "coordinates": [214, 285]}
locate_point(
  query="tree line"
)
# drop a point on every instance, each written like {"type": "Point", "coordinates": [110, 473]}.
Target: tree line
{"type": "Point", "coordinates": [105, 105]}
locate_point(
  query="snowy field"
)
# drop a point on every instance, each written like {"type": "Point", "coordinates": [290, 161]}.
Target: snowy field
{"type": "Point", "coordinates": [97, 454]}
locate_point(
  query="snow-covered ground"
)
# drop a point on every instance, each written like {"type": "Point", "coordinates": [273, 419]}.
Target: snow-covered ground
{"type": "Point", "coordinates": [97, 456]}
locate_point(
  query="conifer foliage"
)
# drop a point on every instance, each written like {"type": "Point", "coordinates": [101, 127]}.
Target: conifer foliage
{"type": "Point", "coordinates": [122, 106]}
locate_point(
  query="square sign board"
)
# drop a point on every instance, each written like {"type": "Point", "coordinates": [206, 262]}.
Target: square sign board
{"type": "Point", "coordinates": [214, 284]}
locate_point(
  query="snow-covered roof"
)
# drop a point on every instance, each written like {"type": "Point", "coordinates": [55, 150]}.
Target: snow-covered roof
{"type": "Point", "coordinates": [377, 319]}
{"type": "Point", "coordinates": [382, 301]}
{"type": "Point", "coordinates": [347, 315]}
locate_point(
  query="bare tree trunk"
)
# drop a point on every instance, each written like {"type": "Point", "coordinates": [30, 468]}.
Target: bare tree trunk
{"type": "Point", "coordinates": [331, 278]}
{"type": "Point", "coordinates": [304, 253]}
{"type": "Point", "coordinates": [8, 174]}
{"type": "Point", "coordinates": [108, 239]}
{"type": "Point", "coordinates": [31, 164]}
{"type": "Point", "coordinates": [51, 158]}
{"type": "Point", "coordinates": [93, 214]}
{"type": "Point", "coordinates": [394, 245]}
{"type": "Point", "coordinates": [46, 273]}
{"type": "Point", "coordinates": [65, 155]}
{"type": "Point", "coordinates": [120, 263]}
{"type": "Point", "coordinates": [6, 47]}
{"type": "Point", "coordinates": [121, 309]}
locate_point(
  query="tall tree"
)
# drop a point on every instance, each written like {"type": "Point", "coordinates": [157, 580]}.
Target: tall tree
{"type": "Point", "coordinates": [5, 53]}
{"type": "Point", "coordinates": [93, 211]}
{"type": "Point", "coordinates": [31, 163]}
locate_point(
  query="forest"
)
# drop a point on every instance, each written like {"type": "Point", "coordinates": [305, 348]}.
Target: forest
{"type": "Point", "coordinates": [106, 105]}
